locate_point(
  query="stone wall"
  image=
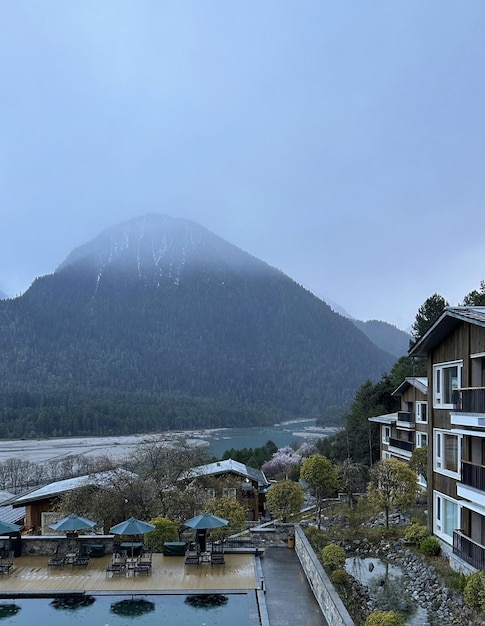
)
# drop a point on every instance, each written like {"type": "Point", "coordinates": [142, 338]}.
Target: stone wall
{"type": "Point", "coordinates": [38, 545]}
{"type": "Point", "coordinates": [328, 599]}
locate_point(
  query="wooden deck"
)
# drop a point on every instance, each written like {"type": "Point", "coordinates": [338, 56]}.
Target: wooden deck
{"type": "Point", "coordinates": [31, 575]}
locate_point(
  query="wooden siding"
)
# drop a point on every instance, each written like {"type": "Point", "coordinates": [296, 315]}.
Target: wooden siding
{"type": "Point", "coordinates": [412, 395]}
{"type": "Point", "coordinates": [465, 340]}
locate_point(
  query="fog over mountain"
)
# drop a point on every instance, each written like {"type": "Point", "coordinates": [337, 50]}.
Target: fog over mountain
{"type": "Point", "coordinates": [159, 324]}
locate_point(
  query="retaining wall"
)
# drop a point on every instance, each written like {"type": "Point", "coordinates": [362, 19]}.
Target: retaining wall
{"type": "Point", "coordinates": [328, 599]}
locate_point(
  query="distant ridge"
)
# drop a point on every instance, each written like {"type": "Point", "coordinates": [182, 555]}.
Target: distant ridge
{"type": "Point", "coordinates": [385, 336]}
{"type": "Point", "coordinates": [159, 324]}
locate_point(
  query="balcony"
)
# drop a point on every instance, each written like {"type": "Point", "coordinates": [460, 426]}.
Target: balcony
{"type": "Point", "coordinates": [405, 419]}
{"type": "Point", "coordinates": [469, 409]}
{"type": "Point", "coordinates": [469, 551]}
{"type": "Point", "coordinates": [408, 446]}
{"type": "Point", "coordinates": [473, 475]}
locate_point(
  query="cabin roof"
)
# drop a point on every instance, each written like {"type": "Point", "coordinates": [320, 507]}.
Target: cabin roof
{"type": "Point", "coordinates": [101, 479]}
{"type": "Point", "coordinates": [445, 324]}
{"type": "Point", "coordinates": [418, 382]}
{"type": "Point", "coordinates": [228, 466]}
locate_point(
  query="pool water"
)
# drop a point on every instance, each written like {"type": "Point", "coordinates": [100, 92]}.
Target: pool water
{"type": "Point", "coordinates": [148, 610]}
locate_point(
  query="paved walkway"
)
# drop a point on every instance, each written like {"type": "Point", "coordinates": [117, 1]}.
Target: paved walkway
{"type": "Point", "coordinates": [289, 599]}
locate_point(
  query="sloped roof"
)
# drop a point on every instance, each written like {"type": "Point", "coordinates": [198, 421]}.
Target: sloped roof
{"type": "Point", "coordinates": [389, 418]}
{"type": "Point", "coordinates": [5, 495]}
{"type": "Point", "coordinates": [12, 515]}
{"type": "Point", "coordinates": [419, 382]}
{"type": "Point", "coordinates": [102, 479]}
{"type": "Point", "coordinates": [445, 324]}
{"type": "Point", "coordinates": [228, 466]}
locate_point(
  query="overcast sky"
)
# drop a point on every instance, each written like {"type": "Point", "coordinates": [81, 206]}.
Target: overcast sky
{"type": "Point", "coordinates": [342, 142]}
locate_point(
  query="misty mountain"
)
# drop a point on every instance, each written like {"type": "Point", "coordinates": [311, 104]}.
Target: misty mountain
{"type": "Point", "coordinates": [386, 336]}
{"type": "Point", "coordinates": [3, 295]}
{"type": "Point", "coordinates": [159, 324]}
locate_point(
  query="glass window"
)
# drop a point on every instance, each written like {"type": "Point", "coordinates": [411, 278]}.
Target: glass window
{"type": "Point", "coordinates": [421, 440]}
{"type": "Point", "coordinates": [447, 452]}
{"type": "Point", "coordinates": [447, 379]}
{"type": "Point", "coordinates": [229, 492]}
{"type": "Point", "coordinates": [386, 433]}
{"type": "Point", "coordinates": [447, 517]}
{"type": "Point", "coordinates": [422, 412]}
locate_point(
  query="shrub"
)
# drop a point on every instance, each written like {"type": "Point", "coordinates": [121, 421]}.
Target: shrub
{"type": "Point", "coordinates": [340, 578]}
{"type": "Point", "coordinates": [384, 618]}
{"type": "Point", "coordinates": [415, 533]}
{"type": "Point", "coordinates": [315, 537]}
{"type": "Point", "coordinates": [462, 582]}
{"type": "Point", "coordinates": [430, 546]}
{"type": "Point", "coordinates": [165, 530]}
{"type": "Point", "coordinates": [474, 592]}
{"type": "Point", "coordinates": [333, 556]}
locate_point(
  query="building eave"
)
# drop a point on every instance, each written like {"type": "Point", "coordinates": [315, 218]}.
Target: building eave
{"type": "Point", "coordinates": [445, 324]}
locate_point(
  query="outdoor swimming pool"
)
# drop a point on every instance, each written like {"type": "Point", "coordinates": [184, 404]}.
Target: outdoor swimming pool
{"type": "Point", "coordinates": [146, 610]}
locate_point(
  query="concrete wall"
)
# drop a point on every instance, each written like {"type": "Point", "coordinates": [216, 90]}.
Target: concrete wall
{"type": "Point", "coordinates": [328, 599]}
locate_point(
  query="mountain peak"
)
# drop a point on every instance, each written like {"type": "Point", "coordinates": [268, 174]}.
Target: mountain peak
{"type": "Point", "coordinates": [157, 249]}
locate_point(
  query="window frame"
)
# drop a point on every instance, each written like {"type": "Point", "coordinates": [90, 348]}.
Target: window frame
{"type": "Point", "coordinates": [419, 439]}
{"type": "Point", "coordinates": [386, 434]}
{"type": "Point", "coordinates": [439, 456]}
{"type": "Point", "coordinates": [439, 521]}
{"type": "Point", "coordinates": [419, 412]}
{"type": "Point", "coordinates": [440, 388]}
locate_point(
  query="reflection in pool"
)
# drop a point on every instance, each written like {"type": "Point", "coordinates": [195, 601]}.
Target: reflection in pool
{"type": "Point", "coordinates": [146, 610]}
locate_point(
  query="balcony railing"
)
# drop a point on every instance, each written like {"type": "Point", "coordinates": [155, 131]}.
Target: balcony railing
{"type": "Point", "coordinates": [469, 551]}
{"type": "Point", "coordinates": [402, 445]}
{"type": "Point", "coordinates": [405, 416]}
{"type": "Point", "coordinates": [473, 475]}
{"type": "Point", "coordinates": [471, 400]}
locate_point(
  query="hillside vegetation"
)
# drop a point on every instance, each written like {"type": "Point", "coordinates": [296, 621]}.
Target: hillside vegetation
{"type": "Point", "coordinates": [131, 345]}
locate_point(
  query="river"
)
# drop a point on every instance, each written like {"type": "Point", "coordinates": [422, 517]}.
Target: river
{"type": "Point", "coordinates": [217, 441]}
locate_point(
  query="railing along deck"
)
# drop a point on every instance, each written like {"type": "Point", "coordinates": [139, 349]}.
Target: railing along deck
{"type": "Point", "coordinates": [473, 475]}
{"type": "Point", "coordinates": [469, 551]}
{"type": "Point", "coordinates": [469, 400]}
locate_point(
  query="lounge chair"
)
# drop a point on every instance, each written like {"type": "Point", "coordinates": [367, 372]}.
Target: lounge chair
{"type": "Point", "coordinates": [8, 560]}
{"type": "Point", "coordinates": [217, 558]}
{"type": "Point", "coordinates": [192, 558]}
{"type": "Point", "coordinates": [115, 569]}
{"type": "Point", "coordinates": [80, 561]}
{"type": "Point", "coordinates": [57, 559]}
{"type": "Point", "coordinates": [5, 568]}
{"type": "Point", "coordinates": [145, 560]}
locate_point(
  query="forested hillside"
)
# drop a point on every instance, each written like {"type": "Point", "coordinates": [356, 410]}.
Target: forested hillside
{"type": "Point", "coordinates": [159, 324]}
{"type": "Point", "coordinates": [385, 336]}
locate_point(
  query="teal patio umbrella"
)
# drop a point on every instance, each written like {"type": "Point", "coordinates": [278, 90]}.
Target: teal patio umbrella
{"type": "Point", "coordinates": [132, 527]}
{"type": "Point", "coordinates": [71, 523]}
{"type": "Point", "coordinates": [7, 527]}
{"type": "Point", "coordinates": [206, 521]}
{"type": "Point", "coordinates": [202, 523]}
